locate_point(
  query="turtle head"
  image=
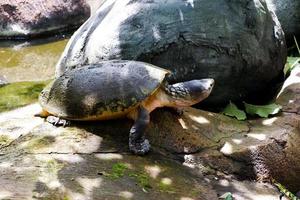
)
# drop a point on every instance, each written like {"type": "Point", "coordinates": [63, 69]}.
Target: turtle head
{"type": "Point", "coordinates": [190, 92]}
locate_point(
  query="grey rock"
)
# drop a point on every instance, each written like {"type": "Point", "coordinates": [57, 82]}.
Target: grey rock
{"type": "Point", "coordinates": [25, 18]}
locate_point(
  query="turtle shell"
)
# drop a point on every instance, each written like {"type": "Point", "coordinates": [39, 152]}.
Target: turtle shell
{"type": "Point", "coordinates": [104, 90]}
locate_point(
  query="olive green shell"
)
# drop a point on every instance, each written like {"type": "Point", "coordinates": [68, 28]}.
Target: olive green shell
{"type": "Point", "coordinates": [101, 91]}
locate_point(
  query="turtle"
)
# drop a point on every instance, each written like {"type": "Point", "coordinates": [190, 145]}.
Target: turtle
{"type": "Point", "coordinates": [115, 89]}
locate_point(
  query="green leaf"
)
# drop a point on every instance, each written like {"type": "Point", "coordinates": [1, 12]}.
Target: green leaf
{"type": "Point", "coordinates": [229, 196]}
{"type": "Point", "coordinates": [290, 64]}
{"type": "Point", "coordinates": [226, 196]}
{"type": "Point", "coordinates": [262, 110]}
{"type": "Point", "coordinates": [233, 111]}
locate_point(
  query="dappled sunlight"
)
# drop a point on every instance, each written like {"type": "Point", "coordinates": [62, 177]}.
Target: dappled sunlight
{"type": "Point", "coordinates": [153, 171]}
{"type": "Point", "coordinates": [182, 123]}
{"type": "Point", "coordinates": [90, 100]}
{"type": "Point", "coordinates": [195, 127]}
{"type": "Point", "coordinates": [237, 141]}
{"type": "Point", "coordinates": [188, 161]}
{"type": "Point", "coordinates": [89, 184]}
{"type": "Point", "coordinates": [294, 78]}
{"type": "Point", "coordinates": [250, 190]}
{"type": "Point", "coordinates": [27, 111]}
{"type": "Point", "coordinates": [186, 198]}
{"type": "Point", "coordinates": [76, 195]}
{"type": "Point", "coordinates": [227, 148]}
{"type": "Point", "coordinates": [49, 172]}
{"type": "Point", "coordinates": [224, 182]}
{"type": "Point", "coordinates": [199, 119]}
{"type": "Point", "coordinates": [269, 122]}
{"type": "Point", "coordinates": [69, 158]}
{"type": "Point", "coordinates": [5, 194]}
{"type": "Point", "coordinates": [62, 140]}
{"type": "Point", "coordinates": [126, 194]}
{"type": "Point", "coordinates": [6, 164]}
{"type": "Point", "coordinates": [257, 136]}
{"type": "Point", "coordinates": [13, 124]}
{"type": "Point", "coordinates": [166, 181]}
{"type": "Point", "coordinates": [109, 156]}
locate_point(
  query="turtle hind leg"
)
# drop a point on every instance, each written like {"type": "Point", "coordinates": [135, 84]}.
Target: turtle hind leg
{"type": "Point", "coordinates": [56, 121]}
{"type": "Point", "coordinates": [137, 142]}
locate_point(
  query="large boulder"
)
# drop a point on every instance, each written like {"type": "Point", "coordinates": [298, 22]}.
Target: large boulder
{"type": "Point", "coordinates": [238, 43]}
{"type": "Point", "coordinates": [289, 16]}
{"type": "Point", "coordinates": [26, 18]}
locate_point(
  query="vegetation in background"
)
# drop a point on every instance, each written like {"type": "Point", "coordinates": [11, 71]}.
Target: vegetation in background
{"type": "Point", "coordinates": [261, 110]}
{"type": "Point", "coordinates": [226, 196]}
{"type": "Point", "coordinates": [233, 111]}
{"type": "Point", "coordinates": [285, 191]}
{"type": "Point", "coordinates": [20, 94]}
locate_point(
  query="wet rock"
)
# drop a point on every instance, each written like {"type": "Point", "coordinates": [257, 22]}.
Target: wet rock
{"type": "Point", "coordinates": [288, 14]}
{"type": "Point", "coordinates": [238, 43]}
{"type": "Point", "coordinates": [25, 18]}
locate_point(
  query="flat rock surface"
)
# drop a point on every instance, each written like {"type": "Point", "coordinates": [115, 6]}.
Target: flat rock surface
{"type": "Point", "coordinates": [196, 155]}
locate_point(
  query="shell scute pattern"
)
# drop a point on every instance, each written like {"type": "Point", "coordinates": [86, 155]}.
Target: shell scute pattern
{"type": "Point", "coordinates": [105, 88]}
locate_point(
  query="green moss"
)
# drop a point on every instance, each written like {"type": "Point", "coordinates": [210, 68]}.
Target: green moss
{"type": "Point", "coordinates": [142, 179]}
{"type": "Point", "coordinates": [19, 94]}
{"type": "Point", "coordinates": [165, 188]}
{"type": "Point", "coordinates": [40, 142]}
{"type": "Point", "coordinates": [4, 140]}
{"type": "Point", "coordinates": [118, 170]}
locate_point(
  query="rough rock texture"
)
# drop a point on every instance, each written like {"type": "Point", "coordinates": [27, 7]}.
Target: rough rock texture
{"type": "Point", "coordinates": [91, 160]}
{"type": "Point", "coordinates": [25, 18]}
{"type": "Point", "coordinates": [288, 15]}
{"type": "Point", "coordinates": [238, 43]}
{"type": "Point", "coordinates": [269, 149]}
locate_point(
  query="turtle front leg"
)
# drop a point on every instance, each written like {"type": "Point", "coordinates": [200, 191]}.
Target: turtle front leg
{"type": "Point", "coordinates": [137, 142]}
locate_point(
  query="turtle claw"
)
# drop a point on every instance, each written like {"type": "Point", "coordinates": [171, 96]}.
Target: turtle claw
{"type": "Point", "coordinates": [139, 147]}
{"type": "Point", "coordinates": [56, 121]}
